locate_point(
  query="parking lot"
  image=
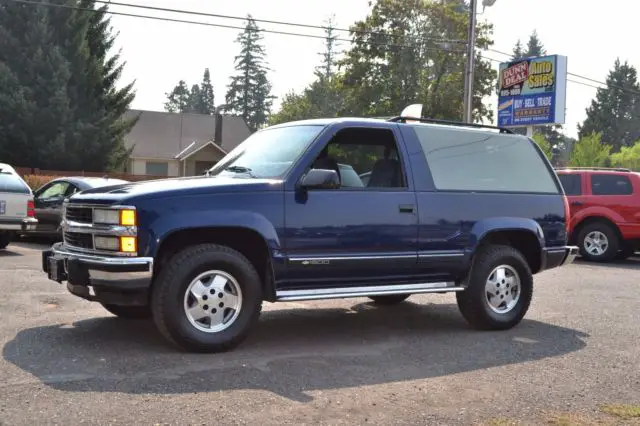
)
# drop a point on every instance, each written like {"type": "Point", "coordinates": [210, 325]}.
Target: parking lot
{"type": "Point", "coordinates": [67, 361]}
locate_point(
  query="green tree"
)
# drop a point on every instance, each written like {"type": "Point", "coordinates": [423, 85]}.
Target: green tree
{"type": "Point", "coordinates": [323, 97]}
{"type": "Point", "coordinates": [616, 109]}
{"type": "Point", "coordinates": [535, 46]}
{"type": "Point", "coordinates": [590, 152]}
{"type": "Point", "coordinates": [628, 157]}
{"type": "Point", "coordinates": [249, 91]}
{"type": "Point", "coordinates": [179, 99]}
{"type": "Point", "coordinates": [206, 103]}
{"type": "Point", "coordinates": [518, 51]}
{"type": "Point", "coordinates": [544, 145]}
{"type": "Point", "coordinates": [394, 61]}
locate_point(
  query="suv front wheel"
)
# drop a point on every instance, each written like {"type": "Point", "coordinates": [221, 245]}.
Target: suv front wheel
{"type": "Point", "coordinates": [499, 289]}
{"type": "Point", "coordinates": [207, 298]}
{"type": "Point", "coordinates": [598, 242]}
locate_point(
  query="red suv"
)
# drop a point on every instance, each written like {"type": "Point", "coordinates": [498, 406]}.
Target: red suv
{"type": "Point", "coordinates": [605, 211]}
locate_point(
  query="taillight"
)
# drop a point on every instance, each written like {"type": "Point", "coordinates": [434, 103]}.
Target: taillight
{"type": "Point", "coordinates": [31, 209]}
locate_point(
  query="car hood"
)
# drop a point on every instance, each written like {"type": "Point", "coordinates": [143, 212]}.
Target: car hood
{"type": "Point", "coordinates": [174, 187]}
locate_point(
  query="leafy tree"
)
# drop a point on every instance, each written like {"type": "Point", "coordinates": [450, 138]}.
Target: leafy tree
{"type": "Point", "coordinates": [179, 99]}
{"type": "Point", "coordinates": [249, 92]}
{"type": "Point", "coordinates": [628, 157]}
{"type": "Point", "coordinates": [534, 46]}
{"type": "Point", "coordinates": [590, 152]}
{"type": "Point", "coordinates": [616, 109]}
{"type": "Point", "coordinates": [394, 61]}
{"type": "Point", "coordinates": [544, 145]}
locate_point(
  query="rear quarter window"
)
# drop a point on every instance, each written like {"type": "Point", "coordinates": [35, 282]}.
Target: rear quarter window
{"type": "Point", "coordinates": [468, 160]}
{"type": "Point", "coordinates": [602, 184]}
{"type": "Point", "coordinates": [13, 184]}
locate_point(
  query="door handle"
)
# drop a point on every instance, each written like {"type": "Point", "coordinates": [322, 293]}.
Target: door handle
{"type": "Point", "coordinates": [406, 208]}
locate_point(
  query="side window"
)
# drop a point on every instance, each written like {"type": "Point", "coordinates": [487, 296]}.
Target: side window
{"type": "Point", "coordinates": [472, 160]}
{"type": "Point", "coordinates": [365, 158]}
{"type": "Point", "coordinates": [572, 183]}
{"type": "Point", "coordinates": [610, 185]}
{"type": "Point", "coordinates": [56, 190]}
{"type": "Point", "coordinates": [72, 190]}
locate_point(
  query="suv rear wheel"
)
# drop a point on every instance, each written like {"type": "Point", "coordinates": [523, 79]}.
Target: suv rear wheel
{"type": "Point", "coordinates": [207, 298]}
{"type": "Point", "coordinates": [598, 242]}
{"type": "Point", "coordinates": [499, 289]}
{"type": "Point", "coordinates": [5, 239]}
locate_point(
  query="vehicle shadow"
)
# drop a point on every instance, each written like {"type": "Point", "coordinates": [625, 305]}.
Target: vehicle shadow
{"type": "Point", "coordinates": [7, 252]}
{"type": "Point", "coordinates": [290, 352]}
{"type": "Point", "coordinates": [630, 263]}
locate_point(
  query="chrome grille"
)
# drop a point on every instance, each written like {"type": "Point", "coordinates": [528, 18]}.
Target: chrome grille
{"type": "Point", "coordinates": [79, 240]}
{"type": "Point", "coordinates": [79, 214]}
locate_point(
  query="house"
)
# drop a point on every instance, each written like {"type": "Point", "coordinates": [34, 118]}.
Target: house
{"type": "Point", "coordinates": [180, 144]}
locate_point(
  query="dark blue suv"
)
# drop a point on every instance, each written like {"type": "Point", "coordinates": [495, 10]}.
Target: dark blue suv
{"type": "Point", "coordinates": [445, 207]}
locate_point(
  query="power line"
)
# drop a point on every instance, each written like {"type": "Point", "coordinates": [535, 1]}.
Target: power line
{"type": "Point", "coordinates": [267, 21]}
{"type": "Point", "coordinates": [209, 24]}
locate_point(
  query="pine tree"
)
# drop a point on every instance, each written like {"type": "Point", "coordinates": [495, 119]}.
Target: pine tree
{"type": "Point", "coordinates": [534, 46]}
{"type": "Point", "coordinates": [616, 109]}
{"type": "Point", "coordinates": [178, 99]}
{"type": "Point", "coordinates": [249, 92]}
{"type": "Point", "coordinates": [207, 100]}
{"type": "Point", "coordinates": [194, 100]}
{"type": "Point", "coordinates": [518, 53]}
{"type": "Point", "coordinates": [326, 67]}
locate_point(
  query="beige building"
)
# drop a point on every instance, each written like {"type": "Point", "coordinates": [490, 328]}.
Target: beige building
{"type": "Point", "coordinates": [174, 144]}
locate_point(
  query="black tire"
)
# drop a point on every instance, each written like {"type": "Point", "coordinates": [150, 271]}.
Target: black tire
{"type": "Point", "coordinates": [612, 237]}
{"type": "Point", "coordinates": [5, 239]}
{"type": "Point", "coordinates": [129, 312]}
{"type": "Point", "coordinates": [392, 299]}
{"type": "Point", "coordinates": [168, 295]}
{"type": "Point", "coordinates": [473, 302]}
{"type": "Point", "coordinates": [625, 253]}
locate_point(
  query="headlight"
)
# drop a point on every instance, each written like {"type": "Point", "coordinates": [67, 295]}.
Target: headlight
{"type": "Point", "coordinates": [125, 217]}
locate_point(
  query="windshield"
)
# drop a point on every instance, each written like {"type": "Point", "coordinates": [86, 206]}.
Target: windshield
{"type": "Point", "coordinates": [268, 153]}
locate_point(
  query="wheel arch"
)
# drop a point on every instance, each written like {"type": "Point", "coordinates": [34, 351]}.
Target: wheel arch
{"type": "Point", "coordinates": [590, 220]}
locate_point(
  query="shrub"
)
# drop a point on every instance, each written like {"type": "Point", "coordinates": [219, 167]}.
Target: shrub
{"type": "Point", "coordinates": [36, 181]}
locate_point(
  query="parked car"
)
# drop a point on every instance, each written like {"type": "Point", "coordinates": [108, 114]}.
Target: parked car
{"type": "Point", "coordinates": [466, 209]}
{"type": "Point", "coordinates": [16, 205]}
{"type": "Point", "coordinates": [49, 199]}
{"type": "Point", "coordinates": [605, 211]}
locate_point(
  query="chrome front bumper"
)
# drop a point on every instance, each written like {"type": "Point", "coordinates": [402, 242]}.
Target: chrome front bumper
{"type": "Point", "coordinates": [118, 280]}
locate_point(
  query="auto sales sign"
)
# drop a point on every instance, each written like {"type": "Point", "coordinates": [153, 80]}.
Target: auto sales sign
{"type": "Point", "coordinates": [532, 91]}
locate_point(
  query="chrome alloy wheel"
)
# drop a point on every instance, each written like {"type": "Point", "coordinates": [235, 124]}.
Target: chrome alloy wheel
{"type": "Point", "coordinates": [503, 289]}
{"type": "Point", "coordinates": [212, 301]}
{"type": "Point", "coordinates": [596, 243]}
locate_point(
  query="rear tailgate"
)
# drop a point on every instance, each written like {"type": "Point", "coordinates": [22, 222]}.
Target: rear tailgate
{"type": "Point", "coordinates": [14, 197]}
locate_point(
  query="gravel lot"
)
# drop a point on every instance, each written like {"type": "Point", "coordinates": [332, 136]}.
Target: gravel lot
{"type": "Point", "coordinates": [67, 361]}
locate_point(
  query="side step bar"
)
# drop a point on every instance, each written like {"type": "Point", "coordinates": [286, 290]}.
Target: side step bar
{"type": "Point", "coordinates": [345, 292]}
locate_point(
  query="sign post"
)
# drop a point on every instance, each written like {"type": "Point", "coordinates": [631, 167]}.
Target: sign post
{"type": "Point", "coordinates": [532, 92]}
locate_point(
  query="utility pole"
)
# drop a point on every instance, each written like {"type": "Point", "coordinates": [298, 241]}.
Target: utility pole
{"type": "Point", "coordinates": [468, 77]}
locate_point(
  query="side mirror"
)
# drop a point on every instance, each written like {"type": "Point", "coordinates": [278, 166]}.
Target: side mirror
{"type": "Point", "coordinates": [320, 179]}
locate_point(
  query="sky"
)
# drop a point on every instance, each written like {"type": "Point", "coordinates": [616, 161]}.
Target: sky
{"type": "Point", "coordinates": [158, 54]}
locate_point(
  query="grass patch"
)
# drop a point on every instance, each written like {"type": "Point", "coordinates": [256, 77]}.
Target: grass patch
{"type": "Point", "coordinates": [624, 411]}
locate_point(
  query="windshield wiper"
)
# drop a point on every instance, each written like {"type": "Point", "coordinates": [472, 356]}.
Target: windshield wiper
{"type": "Point", "coordinates": [239, 169]}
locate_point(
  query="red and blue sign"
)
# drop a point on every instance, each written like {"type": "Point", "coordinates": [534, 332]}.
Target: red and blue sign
{"type": "Point", "coordinates": [532, 91]}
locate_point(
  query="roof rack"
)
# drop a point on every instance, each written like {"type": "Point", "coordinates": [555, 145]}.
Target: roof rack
{"type": "Point", "coordinates": [401, 119]}
{"type": "Point", "coordinates": [606, 169]}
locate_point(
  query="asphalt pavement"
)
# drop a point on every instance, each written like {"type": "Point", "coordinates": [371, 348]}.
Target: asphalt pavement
{"type": "Point", "coordinates": [68, 361]}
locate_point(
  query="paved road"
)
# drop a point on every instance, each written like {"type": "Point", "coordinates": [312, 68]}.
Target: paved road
{"type": "Point", "coordinates": [67, 361]}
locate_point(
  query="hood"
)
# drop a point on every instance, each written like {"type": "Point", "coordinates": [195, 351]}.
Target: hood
{"type": "Point", "coordinates": [174, 187]}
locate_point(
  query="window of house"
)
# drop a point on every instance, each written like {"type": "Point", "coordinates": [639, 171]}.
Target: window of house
{"type": "Point", "coordinates": [364, 151]}
{"type": "Point", "coordinates": [602, 184]}
{"type": "Point", "coordinates": [572, 183]}
{"type": "Point", "coordinates": [157, 168]}
{"type": "Point", "coordinates": [471, 160]}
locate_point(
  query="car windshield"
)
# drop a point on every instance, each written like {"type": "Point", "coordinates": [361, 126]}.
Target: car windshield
{"type": "Point", "coordinates": [268, 153]}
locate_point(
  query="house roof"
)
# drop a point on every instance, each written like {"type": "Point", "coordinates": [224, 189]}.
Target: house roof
{"type": "Point", "coordinates": [164, 135]}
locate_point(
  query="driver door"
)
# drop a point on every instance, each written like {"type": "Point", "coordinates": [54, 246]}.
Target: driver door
{"type": "Point", "coordinates": [48, 205]}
